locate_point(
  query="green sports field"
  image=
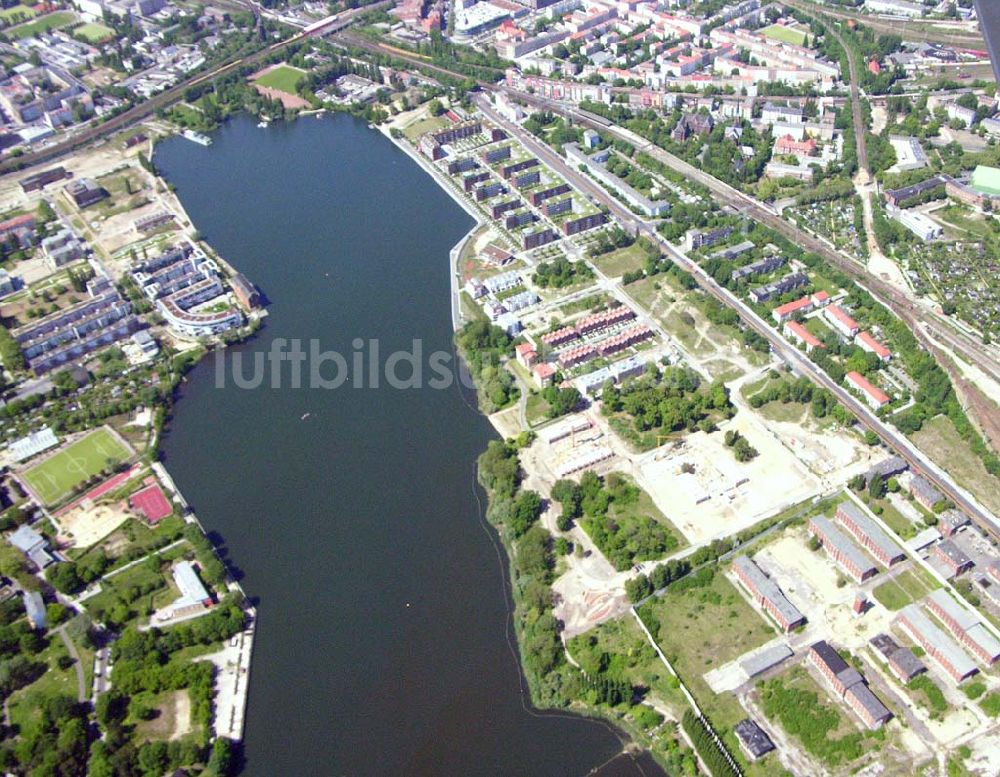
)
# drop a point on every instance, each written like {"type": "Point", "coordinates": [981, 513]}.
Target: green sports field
{"type": "Point", "coordinates": [93, 32]}
{"type": "Point", "coordinates": [57, 477]}
{"type": "Point", "coordinates": [19, 12]}
{"type": "Point", "coordinates": [283, 78]}
{"type": "Point", "coordinates": [45, 23]}
{"type": "Point", "coordinates": [785, 34]}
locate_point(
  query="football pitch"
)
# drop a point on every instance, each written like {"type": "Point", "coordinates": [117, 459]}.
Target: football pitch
{"type": "Point", "coordinates": [58, 476]}
{"type": "Point", "coordinates": [785, 34]}
{"type": "Point", "coordinates": [283, 78]}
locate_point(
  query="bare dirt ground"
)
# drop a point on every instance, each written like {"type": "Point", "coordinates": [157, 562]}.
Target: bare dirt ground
{"type": "Point", "coordinates": [723, 496]}
{"type": "Point", "coordinates": [89, 523]}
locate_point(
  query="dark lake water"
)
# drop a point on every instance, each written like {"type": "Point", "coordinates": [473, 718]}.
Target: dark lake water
{"type": "Point", "coordinates": [383, 631]}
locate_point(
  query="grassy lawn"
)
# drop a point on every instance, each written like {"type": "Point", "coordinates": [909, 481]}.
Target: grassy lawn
{"type": "Point", "coordinates": [18, 11]}
{"type": "Point", "coordinates": [283, 78]}
{"type": "Point", "coordinates": [536, 409]}
{"type": "Point", "coordinates": [622, 261]}
{"type": "Point", "coordinates": [629, 655]}
{"type": "Point", "coordinates": [784, 411]}
{"type": "Point", "coordinates": [56, 477]}
{"type": "Point", "coordinates": [700, 628]}
{"type": "Point", "coordinates": [805, 711]}
{"type": "Point", "coordinates": [939, 440]}
{"type": "Point", "coordinates": [904, 588]}
{"type": "Point", "coordinates": [644, 505]}
{"type": "Point", "coordinates": [93, 32]}
{"type": "Point", "coordinates": [134, 539]}
{"type": "Point", "coordinates": [785, 34]}
{"type": "Point", "coordinates": [894, 519]}
{"type": "Point", "coordinates": [51, 21]}
{"type": "Point", "coordinates": [419, 127]}
{"type": "Point", "coordinates": [26, 703]}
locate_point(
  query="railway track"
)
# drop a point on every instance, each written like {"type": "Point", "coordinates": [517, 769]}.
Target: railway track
{"type": "Point", "coordinates": [893, 439]}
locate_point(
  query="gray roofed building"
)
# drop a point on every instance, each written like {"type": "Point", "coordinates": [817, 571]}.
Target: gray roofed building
{"type": "Point", "coordinates": [761, 266]}
{"type": "Point", "coordinates": [867, 705]}
{"type": "Point", "coordinates": [842, 549]}
{"type": "Point", "coordinates": [936, 643]}
{"type": "Point", "coordinates": [763, 660]}
{"type": "Point", "coordinates": [753, 740]}
{"type": "Point", "coordinates": [965, 625]}
{"type": "Point", "coordinates": [34, 605]}
{"type": "Point", "coordinates": [869, 533]}
{"type": "Point", "coordinates": [33, 545]}
{"type": "Point", "coordinates": [925, 492]}
{"type": "Point", "coordinates": [953, 557]}
{"type": "Point", "coordinates": [887, 468]}
{"type": "Point", "coordinates": [34, 443]}
{"type": "Point", "coordinates": [905, 664]}
{"type": "Point", "coordinates": [951, 521]}
{"type": "Point", "coordinates": [767, 593]}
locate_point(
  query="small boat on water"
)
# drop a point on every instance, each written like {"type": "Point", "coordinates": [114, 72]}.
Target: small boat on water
{"type": "Point", "coordinates": [305, 416]}
{"type": "Point", "coordinates": [197, 137]}
{"type": "Point", "coordinates": [262, 123]}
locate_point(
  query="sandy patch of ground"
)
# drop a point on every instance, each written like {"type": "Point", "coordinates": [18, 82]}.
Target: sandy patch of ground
{"type": "Point", "coordinates": [182, 715]}
{"type": "Point", "coordinates": [87, 524]}
{"type": "Point", "coordinates": [834, 455]}
{"type": "Point", "coordinates": [291, 101]}
{"type": "Point", "coordinates": [722, 495]}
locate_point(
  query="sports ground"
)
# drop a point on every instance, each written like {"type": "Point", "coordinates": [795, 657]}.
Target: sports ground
{"type": "Point", "coordinates": [785, 34]}
{"type": "Point", "coordinates": [281, 77]}
{"type": "Point", "coordinates": [57, 476]}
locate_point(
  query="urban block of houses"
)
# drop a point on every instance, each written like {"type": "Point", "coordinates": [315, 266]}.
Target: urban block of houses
{"type": "Point", "coordinates": [592, 382]}
{"type": "Point", "coordinates": [935, 643]}
{"type": "Point", "coordinates": [767, 594]}
{"type": "Point", "coordinates": [848, 684]}
{"type": "Point", "coordinates": [72, 333]}
{"type": "Point", "coordinates": [842, 550]}
{"type": "Point", "coordinates": [760, 267]}
{"type": "Point", "coordinates": [869, 534]}
{"type": "Point", "coordinates": [873, 395]}
{"type": "Point", "coordinates": [576, 156]}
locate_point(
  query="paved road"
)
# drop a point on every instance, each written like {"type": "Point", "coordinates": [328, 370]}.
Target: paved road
{"type": "Point", "coordinates": [781, 347]}
{"type": "Point", "coordinates": [161, 100]}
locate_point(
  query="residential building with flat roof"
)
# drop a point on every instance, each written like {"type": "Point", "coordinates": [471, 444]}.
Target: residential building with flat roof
{"type": "Point", "coordinates": [841, 549]}
{"type": "Point", "coordinates": [938, 645]}
{"type": "Point", "coordinates": [869, 534]}
{"type": "Point", "coordinates": [767, 594]}
{"type": "Point", "coordinates": [950, 521]}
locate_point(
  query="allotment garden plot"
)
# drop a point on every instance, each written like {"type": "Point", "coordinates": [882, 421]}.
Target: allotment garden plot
{"type": "Point", "coordinates": [59, 475]}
